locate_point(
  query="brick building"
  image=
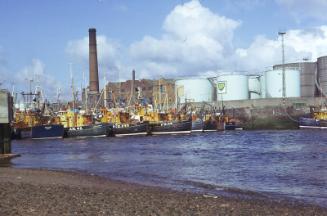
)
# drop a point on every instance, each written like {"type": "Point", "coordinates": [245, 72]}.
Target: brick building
{"type": "Point", "coordinates": [160, 93]}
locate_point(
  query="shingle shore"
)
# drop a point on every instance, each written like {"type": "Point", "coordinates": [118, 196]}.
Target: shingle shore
{"type": "Point", "coordinates": [42, 192]}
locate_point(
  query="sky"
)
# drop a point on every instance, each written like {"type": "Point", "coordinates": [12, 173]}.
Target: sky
{"type": "Point", "coordinates": [45, 42]}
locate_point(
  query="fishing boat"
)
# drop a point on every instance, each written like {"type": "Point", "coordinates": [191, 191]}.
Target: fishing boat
{"type": "Point", "coordinates": [47, 131]}
{"type": "Point", "coordinates": [33, 124]}
{"type": "Point", "coordinates": [130, 129]}
{"type": "Point", "coordinates": [48, 128]}
{"type": "Point", "coordinates": [23, 123]}
{"type": "Point", "coordinates": [169, 123]}
{"type": "Point", "coordinates": [21, 133]}
{"type": "Point", "coordinates": [214, 122]}
{"type": "Point", "coordinates": [95, 130]}
{"type": "Point", "coordinates": [204, 124]}
{"type": "Point", "coordinates": [124, 123]}
{"type": "Point", "coordinates": [34, 119]}
{"type": "Point", "coordinates": [79, 124]}
{"type": "Point", "coordinates": [171, 127]}
{"type": "Point", "coordinates": [231, 124]}
{"type": "Point", "coordinates": [197, 125]}
{"type": "Point", "coordinates": [317, 121]}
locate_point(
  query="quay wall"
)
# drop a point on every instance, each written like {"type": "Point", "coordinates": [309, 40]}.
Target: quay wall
{"type": "Point", "coordinates": [6, 114]}
{"type": "Point", "coordinates": [273, 113]}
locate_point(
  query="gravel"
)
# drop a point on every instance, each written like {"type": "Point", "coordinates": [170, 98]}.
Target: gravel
{"type": "Point", "coordinates": [42, 192]}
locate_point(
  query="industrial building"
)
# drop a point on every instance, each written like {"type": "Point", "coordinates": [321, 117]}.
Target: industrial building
{"type": "Point", "coordinates": [302, 80]}
{"type": "Point", "coordinates": [160, 93]}
{"type": "Point", "coordinates": [273, 99]}
{"type": "Point", "coordinates": [308, 71]}
{"type": "Point", "coordinates": [194, 90]}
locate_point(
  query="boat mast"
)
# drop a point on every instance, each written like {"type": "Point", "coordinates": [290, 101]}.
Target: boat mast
{"type": "Point", "coordinates": [105, 92]}
{"type": "Point", "coordinates": [72, 85]}
{"type": "Point", "coordinates": [85, 93]}
{"type": "Point", "coordinates": [159, 94]}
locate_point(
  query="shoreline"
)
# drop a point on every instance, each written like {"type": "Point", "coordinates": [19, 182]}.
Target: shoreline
{"type": "Point", "coordinates": [48, 192]}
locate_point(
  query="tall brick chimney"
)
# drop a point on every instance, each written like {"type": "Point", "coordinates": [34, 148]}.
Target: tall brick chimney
{"type": "Point", "coordinates": [93, 62]}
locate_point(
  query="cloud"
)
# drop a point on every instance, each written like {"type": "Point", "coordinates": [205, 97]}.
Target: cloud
{"type": "Point", "coordinates": [299, 44]}
{"type": "Point", "coordinates": [109, 53]}
{"type": "Point", "coordinates": [194, 40]}
{"type": "Point", "coordinates": [197, 42]}
{"type": "Point", "coordinates": [303, 9]}
{"type": "Point", "coordinates": [243, 5]}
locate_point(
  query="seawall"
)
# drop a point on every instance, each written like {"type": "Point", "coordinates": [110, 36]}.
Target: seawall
{"type": "Point", "coordinates": [272, 113]}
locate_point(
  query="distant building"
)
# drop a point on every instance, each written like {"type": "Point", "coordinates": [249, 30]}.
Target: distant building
{"type": "Point", "coordinates": [160, 93]}
{"type": "Point", "coordinates": [164, 93]}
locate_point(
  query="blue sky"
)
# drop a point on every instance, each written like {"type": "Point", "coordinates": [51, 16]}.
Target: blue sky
{"type": "Point", "coordinates": [171, 38]}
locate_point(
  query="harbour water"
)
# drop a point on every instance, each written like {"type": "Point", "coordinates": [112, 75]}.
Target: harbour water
{"type": "Point", "coordinates": [262, 164]}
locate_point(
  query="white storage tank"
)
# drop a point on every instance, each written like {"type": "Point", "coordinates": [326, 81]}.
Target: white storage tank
{"type": "Point", "coordinates": [254, 86]}
{"type": "Point", "coordinates": [194, 90]}
{"type": "Point", "coordinates": [254, 95]}
{"type": "Point", "coordinates": [232, 87]}
{"type": "Point", "coordinates": [263, 86]}
{"type": "Point", "coordinates": [308, 71]}
{"type": "Point", "coordinates": [274, 83]}
{"type": "Point", "coordinates": [322, 74]}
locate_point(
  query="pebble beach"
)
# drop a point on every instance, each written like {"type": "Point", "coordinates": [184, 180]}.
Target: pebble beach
{"type": "Point", "coordinates": [43, 192]}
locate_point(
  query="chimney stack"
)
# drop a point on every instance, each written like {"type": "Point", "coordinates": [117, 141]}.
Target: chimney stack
{"type": "Point", "coordinates": [93, 61]}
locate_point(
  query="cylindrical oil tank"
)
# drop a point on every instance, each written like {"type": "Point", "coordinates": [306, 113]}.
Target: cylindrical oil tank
{"type": "Point", "coordinates": [308, 71]}
{"type": "Point", "coordinates": [254, 86]}
{"type": "Point", "coordinates": [254, 95]}
{"type": "Point", "coordinates": [232, 87]}
{"type": "Point", "coordinates": [194, 90]}
{"type": "Point", "coordinates": [322, 74]}
{"type": "Point", "coordinates": [263, 86]}
{"type": "Point", "coordinates": [274, 83]}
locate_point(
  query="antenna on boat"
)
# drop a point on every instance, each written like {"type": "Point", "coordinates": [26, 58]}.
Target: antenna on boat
{"type": "Point", "coordinates": [58, 95]}
{"type": "Point", "coordinates": [12, 89]}
{"type": "Point", "coordinates": [132, 96]}
{"type": "Point", "coordinates": [105, 97]}
{"type": "Point", "coordinates": [282, 34]}
{"type": "Point", "coordinates": [159, 87]}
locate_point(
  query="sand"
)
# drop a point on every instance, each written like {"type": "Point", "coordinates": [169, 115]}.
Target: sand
{"type": "Point", "coordinates": [42, 192]}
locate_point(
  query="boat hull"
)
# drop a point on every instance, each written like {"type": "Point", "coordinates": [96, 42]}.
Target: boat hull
{"type": "Point", "coordinates": [130, 130]}
{"type": "Point", "coordinates": [210, 126]}
{"type": "Point", "coordinates": [178, 127]}
{"type": "Point", "coordinates": [197, 126]}
{"type": "Point", "coordinates": [311, 123]}
{"type": "Point", "coordinates": [95, 130]}
{"type": "Point", "coordinates": [47, 131]}
{"type": "Point", "coordinates": [22, 133]}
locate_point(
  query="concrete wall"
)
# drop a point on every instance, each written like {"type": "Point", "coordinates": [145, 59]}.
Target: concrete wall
{"type": "Point", "coordinates": [5, 119]}
{"type": "Point", "coordinates": [271, 102]}
{"type": "Point", "coordinates": [268, 113]}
